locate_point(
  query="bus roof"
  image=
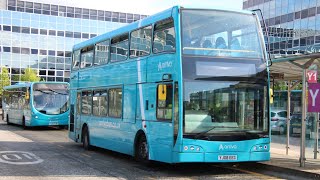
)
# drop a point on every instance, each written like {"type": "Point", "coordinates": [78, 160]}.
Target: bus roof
{"type": "Point", "coordinates": [141, 23]}
{"type": "Point", "coordinates": [28, 84]}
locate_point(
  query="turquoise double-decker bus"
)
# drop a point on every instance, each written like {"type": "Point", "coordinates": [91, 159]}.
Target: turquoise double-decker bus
{"type": "Point", "coordinates": [37, 104]}
{"type": "Point", "coordinates": [183, 85]}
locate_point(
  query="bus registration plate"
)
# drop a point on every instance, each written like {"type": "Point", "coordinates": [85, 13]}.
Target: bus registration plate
{"type": "Point", "coordinates": [227, 157]}
{"type": "Point", "coordinates": [53, 123]}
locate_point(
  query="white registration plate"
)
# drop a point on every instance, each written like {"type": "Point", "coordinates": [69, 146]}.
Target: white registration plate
{"type": "Point", "coordinates": [53, 123]}
{"type": "Point", "coordinates": [227, 157]}
{"type": "Point", "coordinates": [296, 130]}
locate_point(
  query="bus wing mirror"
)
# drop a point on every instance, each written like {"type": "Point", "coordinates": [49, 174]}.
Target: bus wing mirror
{"type": "Point", "coordinates": [162, 92]}
{"type": "Point", "coordinates": [271, 95]}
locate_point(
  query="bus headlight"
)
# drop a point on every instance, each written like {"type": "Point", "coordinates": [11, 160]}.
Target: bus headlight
{"type": "Point", "coordinates": [192, 148]}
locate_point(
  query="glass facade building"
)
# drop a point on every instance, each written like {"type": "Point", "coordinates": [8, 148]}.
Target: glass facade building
{"type": "Point", "coordinates": [41, 36]}
{"type": "Point", "coordinates": [293, 25]}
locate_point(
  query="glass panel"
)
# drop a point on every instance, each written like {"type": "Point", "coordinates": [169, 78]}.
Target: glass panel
{"type": "Point", "coordinates": [119, 48]}
{"type": "Point", "coordinates": [164, 37]}
{"type": "Point", "coordinates": [51, 98]}
{"type": "Point", "coordinates": [87, 57]}
{"type": "Point", "coordinates": [115, 103]}
{"type": "Point", "coordinates": [86, 102]}
{"type": "Point", "coordinates": [140, 42]}
{"type": "Point", "coordinates": [76, 60]}
{"type": "Point", "coordinates": [237, 38]}
{"type": "Point", "coordinates": [164, 106]}
{"type": "Point", "coordinates": [102, 53]}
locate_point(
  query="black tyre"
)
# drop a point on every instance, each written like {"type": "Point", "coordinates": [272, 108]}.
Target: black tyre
{"type": "Point", "coordinates": [86, 139]}
{"type": "Point", "coordinates": [24, 123]}
{"type": "Point", "coordinates": [8, 121]}
{"type": "Point", "coordinates": [142, 151]}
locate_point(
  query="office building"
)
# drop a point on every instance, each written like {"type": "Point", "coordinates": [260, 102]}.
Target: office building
{"type": "Point", "coordinates": [40, 34]}
{"type": "Point", "coordinates": [294, 25]}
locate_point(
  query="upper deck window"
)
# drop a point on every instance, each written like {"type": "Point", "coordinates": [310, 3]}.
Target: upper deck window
{"type": "Point", "coordinates": [221, 34]}
{"type": "Point", "coordinates": [76, 60]}
{"type": "Point", "coordinates": [102, 53]}
{"type": "Point", "coordinates": [164, 36]}
{"type": "Point", "coordinates": [140, 42]}
{"type": "Point", "coordinates": [119, 48]}
{"type": "Point", "coordinates": [86, 57]}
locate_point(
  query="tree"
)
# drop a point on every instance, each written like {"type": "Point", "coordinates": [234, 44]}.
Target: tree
{"type": "Point", "coordinates": [283, 85]}
{"type": "Point", "coordinates": [5, 80]}
{"type": "Point", "coordinates": [30, 75]}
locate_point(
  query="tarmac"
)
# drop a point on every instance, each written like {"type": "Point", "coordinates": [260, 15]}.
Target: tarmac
{"type": "Point", "coordinates": [290, 163]}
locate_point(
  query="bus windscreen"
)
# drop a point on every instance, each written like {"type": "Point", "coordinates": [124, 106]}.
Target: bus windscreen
{"type": "Point", "coordinates": [51, 98]}
{"type": "Point", "coordinates": [221, 34]}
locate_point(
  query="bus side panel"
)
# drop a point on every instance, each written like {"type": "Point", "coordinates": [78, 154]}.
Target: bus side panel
{"type": "Point", "coordinates": [159, 132]}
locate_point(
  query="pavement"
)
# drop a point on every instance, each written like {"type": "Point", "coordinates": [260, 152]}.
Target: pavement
{"type": "Point", "coordinates": [291, 164]}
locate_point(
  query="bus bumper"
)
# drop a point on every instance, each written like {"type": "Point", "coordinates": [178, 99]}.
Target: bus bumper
{"type": "Point", "coordinates": [46, 122]}
{"type": "Point", "coordinates": [179, 157]}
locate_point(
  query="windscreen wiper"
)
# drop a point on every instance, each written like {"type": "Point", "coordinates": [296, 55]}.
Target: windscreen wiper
{"type": "Point", "coordinates": [57, 92]}
{"type": "Point", "coordinates": [204, 132]}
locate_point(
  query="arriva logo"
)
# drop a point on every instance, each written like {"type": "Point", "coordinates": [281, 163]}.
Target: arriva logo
{"type": "Point", "coordinates": [166, 64]}
{"type": "Point", "coordinates": [227, 147]}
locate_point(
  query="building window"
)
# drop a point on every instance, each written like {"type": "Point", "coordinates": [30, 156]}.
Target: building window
{"type": "Point", "coordinates": [6, 28]}
{"type": "Point", "coordinates": [61, 33]}
{"type": "Point", "coordinates": [6, 49]}
{"type": "Point", "coordinates": [140, 42]}
{"type": "Point", "coordinates": [34, 31]}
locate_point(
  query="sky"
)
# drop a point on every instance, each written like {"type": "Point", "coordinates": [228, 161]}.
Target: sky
{"type": "Point", "coordinates": [148, 7]}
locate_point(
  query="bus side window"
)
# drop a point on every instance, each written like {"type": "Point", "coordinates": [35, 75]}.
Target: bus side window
{"type": "Point", "coordinates": [119, 48]}
{"type": "Point", "coordinates": [115, 102]}
{"type": "Point", "coordinates": [86, 102]}
{"type": "Point", "coordinates": [86, 57]}
{"type": "Point", "coordinates": [101, 52]}
{"type": "Point", "coordinates": [140, 42]}
{"type": "Point", "coordinates": [164, 39]}
{"type": "Point", "coordinates": [164, 101]}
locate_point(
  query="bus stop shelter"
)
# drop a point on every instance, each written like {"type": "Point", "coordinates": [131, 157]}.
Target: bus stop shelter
{"type": "Point", "coordinates": [293, 70]}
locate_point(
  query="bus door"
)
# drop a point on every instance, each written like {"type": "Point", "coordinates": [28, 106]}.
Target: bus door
{"type": "Point", "coordinates": [77, 117]}
{"type": "Point", "coordinates": [161, 97]}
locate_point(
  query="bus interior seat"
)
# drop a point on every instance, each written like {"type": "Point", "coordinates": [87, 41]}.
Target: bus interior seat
{"type": "Point", "coordinates": [221, 43]}
{"type": "Point", "coordinates": [157, 46]}
{"type": "Point", "coordinates": [168, 48]}
{"type": "Point", "coordinates": [207, 44]}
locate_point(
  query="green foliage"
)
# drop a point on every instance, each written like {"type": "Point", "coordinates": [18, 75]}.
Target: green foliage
{"type": "Point", "coordinates": [5, 80]}
{"type": "Point", "coordinates": [30, 75]}
{"type": "Point", "coordinates": [283, 85]}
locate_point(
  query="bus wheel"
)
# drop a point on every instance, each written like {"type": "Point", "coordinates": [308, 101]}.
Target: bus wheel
{"type": "Point", "coordinates": [142, 151]}
{"type": "Point", "coordinates": [85, 139]}
{"type": "Point", "coordinates": [8, 122]}
{"type": "Point", "coordinates": [24, 123]}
